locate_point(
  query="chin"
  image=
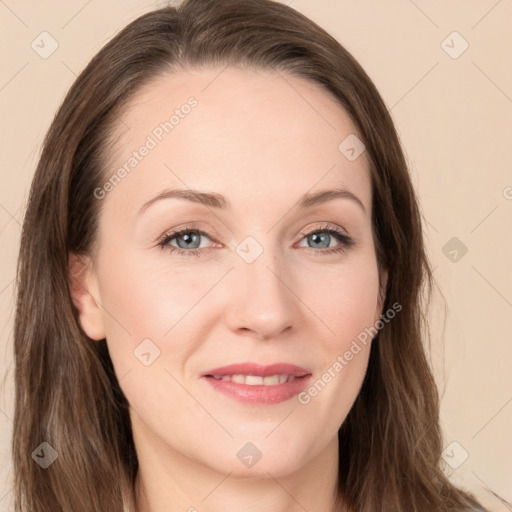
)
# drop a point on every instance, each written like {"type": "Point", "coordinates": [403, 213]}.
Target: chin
{"type": "Point", "coordinates": [249, 461]}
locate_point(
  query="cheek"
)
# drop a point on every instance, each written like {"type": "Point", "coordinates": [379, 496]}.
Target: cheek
{"type": "Point", "coordinates": [151, 299]}
{"type": "Point", "coordinates": [344, 300]}
{"type": "Point", "coordinates": [345, 303]}
{"type": "Point", "coordinates": [154, 301]}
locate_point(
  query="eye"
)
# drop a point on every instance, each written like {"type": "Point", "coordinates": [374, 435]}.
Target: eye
{"type": "Point", "coordinates": [324, 235]}
{"type": "Point", "coordinates": [188, 240]}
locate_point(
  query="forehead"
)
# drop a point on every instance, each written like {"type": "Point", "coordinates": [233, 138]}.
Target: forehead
{"type": "Point", "coordinates": [255, 132]}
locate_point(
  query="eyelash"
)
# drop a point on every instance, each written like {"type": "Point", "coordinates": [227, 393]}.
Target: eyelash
{"type": "Point", "coordinates": [345, 241]}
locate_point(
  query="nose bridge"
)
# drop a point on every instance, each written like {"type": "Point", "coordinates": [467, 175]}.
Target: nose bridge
{"type": "Point", "coordinates": [261, 300]}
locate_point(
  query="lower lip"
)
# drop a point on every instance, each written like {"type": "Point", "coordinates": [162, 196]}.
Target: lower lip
{"type": "Point", "coordinates": [260, 394]}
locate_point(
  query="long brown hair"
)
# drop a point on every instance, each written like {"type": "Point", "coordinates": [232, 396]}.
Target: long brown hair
{"type": "Point", "coordinates": [66, 391]}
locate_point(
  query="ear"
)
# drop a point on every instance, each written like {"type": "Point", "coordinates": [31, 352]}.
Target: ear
{"type": "Point", "coordinates": [85, 295]}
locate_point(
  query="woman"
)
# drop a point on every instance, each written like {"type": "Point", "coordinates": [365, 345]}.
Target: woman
{"type": "Point", "coordinates": [255, 370]}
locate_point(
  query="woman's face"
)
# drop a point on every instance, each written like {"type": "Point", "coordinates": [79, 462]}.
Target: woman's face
{"type": "Point", "coordinates": [257, 280]}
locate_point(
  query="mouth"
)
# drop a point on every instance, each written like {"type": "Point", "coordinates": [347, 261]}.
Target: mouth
{"type": "Point", "coordinates": [254, 384]}
{"type": "Point", "coordinates": [256, 380]}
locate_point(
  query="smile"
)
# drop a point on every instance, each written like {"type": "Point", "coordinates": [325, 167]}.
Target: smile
{"type": "Point", "coordinates": [256, 380]}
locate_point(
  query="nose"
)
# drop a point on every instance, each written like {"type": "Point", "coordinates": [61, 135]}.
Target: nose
{"type": "Point", "coordinates": [261, 299]}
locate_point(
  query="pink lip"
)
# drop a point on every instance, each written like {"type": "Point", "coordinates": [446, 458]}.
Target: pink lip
{"type": "Point", "coordinates": [259, 394]}
{"type": "Point", "coordinates": [256, 369]}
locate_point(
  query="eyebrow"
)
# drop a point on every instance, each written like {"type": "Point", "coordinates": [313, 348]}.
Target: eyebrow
{"type": "Point", "coordinates": [214, 200]}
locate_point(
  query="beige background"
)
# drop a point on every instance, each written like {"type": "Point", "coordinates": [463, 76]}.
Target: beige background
{"type": "Point", "coordinates": [454, 116]}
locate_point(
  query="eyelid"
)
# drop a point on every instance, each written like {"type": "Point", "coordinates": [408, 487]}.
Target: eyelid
{"type": "Point", "coordinates": [321, 226]}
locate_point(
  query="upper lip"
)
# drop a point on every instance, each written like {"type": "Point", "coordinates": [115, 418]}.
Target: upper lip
{"type": "Point", "coordinates": [256, 369]}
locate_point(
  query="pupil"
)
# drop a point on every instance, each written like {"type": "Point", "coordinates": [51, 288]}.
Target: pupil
{"type": "Point", "coordinates": [188, 237]}
{"type": "Point", "coordinates": [317, 236]}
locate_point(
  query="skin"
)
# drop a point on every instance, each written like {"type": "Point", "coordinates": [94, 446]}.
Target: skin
{"type": "Point", "coordinates": [261, 139]}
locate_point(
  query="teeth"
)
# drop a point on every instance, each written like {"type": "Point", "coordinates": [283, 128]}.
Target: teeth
{"type": "Point", "coordinates": [239, 379]}
{"type": "Point", "coordinates": [253, 380]}
{"type": "Point", "coordinates": [256, 380]}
